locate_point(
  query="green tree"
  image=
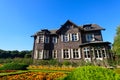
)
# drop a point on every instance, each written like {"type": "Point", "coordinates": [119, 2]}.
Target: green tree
{"type": "Point", "coordinates": [116, 44]}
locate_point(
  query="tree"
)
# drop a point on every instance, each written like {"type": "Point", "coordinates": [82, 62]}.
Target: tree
{"type": "Point", "coordinates": [116, 44]}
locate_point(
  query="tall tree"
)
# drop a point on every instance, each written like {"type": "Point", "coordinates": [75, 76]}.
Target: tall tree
{"type": "Point", "coordinates": [116, 44]}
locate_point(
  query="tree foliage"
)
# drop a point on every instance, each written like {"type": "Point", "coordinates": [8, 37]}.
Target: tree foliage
{"type": "Point", "coordinates": [116, 44]}
{"type": "Point", "coordinates": [15, 53]}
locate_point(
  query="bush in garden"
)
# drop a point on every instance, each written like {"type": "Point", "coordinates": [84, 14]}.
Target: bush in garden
{"type": "Point", "coordinates": [53, 62]}
{"type": "Point", "coordinates": [92, 73]}
{"type": "Point", "coordinates": [17, 60]}
{"type": "Point", "coordinates": [66, 63]}
{"type": "Point", "coordinates": [14, 66]}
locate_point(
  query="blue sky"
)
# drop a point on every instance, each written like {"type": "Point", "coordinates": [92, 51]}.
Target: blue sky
{"type": "Point", "coordinates": [19, 19]}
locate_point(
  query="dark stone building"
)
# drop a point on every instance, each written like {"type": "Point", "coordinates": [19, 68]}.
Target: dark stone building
{"type": "Point", "coordinates": [71, 42]}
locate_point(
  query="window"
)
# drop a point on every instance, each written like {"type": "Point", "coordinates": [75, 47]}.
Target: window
{"type": "Point", "coordinates": [40, 54]}
{"type": "Point", "coordinates": [98, 53]}
{"type": "Point", "coordinates": [103, 52]}
{"type": "Point", "coordinates": [88, 27]}
{"type": "Point", "coordinates": [66, 53]}
{"type": "Point", "coordinates": [40, 39]}
{"type": "Point", "coordinates": [54, 52]}
{"type": "Point", "coordinates": [86, 52]}
{"type": "Point", "coordinates": [36, 54]}
{"type": "Point", "coordinates": [46, 54]}
{"type": "Point", "coordinates": [46, 39]}
{"type": "Point", "coordinates": [66, 38]}
{"type": "Point", "coordinates": [54, 39]}
{"type": "Point", "coordinates": [74, 37]}
{"type": "Point", "coordinates": [76, 53]}
{"type": "Point", "coordinates": [89, 37]}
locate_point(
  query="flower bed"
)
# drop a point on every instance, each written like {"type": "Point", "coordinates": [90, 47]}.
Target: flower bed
{"type": "Point", "coordinates": [56, 68]}
{"type": "Point", "coordinates": [7, 71]}
{"type": "Point", "coordinates": [34, 76]}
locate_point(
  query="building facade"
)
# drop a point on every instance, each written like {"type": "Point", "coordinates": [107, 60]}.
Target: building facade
{"type": "Point", "coordinates": [71, 42]}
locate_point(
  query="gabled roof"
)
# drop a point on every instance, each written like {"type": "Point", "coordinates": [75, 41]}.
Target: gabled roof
{"type": "Point", "coordinates": [86, 27]}
{"type": "Point", "coordinates": [53, 31]}
{"type": "Point", "coordinates": [68, 22]}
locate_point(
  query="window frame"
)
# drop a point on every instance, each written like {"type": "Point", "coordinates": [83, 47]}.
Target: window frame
{"type": "Point", "coordinates": [40, 54]}
{"type": "Point", "coordinates": [75, 53]}
{"type": "Point", "coordinates": [66, 53]}
{"type": "Point", "coordinates": [54, 54]}
{"type": "Point", "coordinates": [40, 39]}
{"type": "Point", "coordinates": [98, 53]}
{"type": "Point", "coordinates": [47, 39]}
{"type": "Point", "coordinates": [65, 37]}
{"type": "Point", "coordinates": [74, 37]}
{"type": "Point", "coordinates": [54, 39]}
{"type": "Point", "coordinates": [46, 54]}
{"type": "Point", "coordinates": [89, 37]}
{"type": "Point", "coordinates": [86, 52]}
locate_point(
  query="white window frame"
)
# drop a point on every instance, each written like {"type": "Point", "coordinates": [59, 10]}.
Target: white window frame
{"type": "Point", "coordinates": [104, 54]}
{"type": "Point", "coordinates": [46, 54]}
{"type": "Point", "coordinates": [46, 39]}
{"type": "Point", "coordinates": [98, 54]}
{"type": "Point", "coordinates": [54, 39]}
{"type": "Point", "coordinates": [40, 39]}
{"type": "Point", "coordinates": [65, 53]}
{"type": "Point", "coordinates": [54, 54]}
{"type": "Point", "coordinates": [74, 37]}
{"type": "Point", "coordinates": [37, 39]}
{"type": "Point", "coordinates": [86, 51]}
{"type": "Point", "coordinates": [40, 54]}
{"type": "Point", "coordinates": [75, 52]}
{"type": "Point", "coordinates": [36, 54]}
{"type": "Point", "coordinates": [65, 38]}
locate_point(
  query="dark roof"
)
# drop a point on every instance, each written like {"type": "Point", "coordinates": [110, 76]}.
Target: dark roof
{"type": "Point", "coordinates": [68, 21]}
{"type": "Point", "coordinates": [94, 43]}
{"type": "Point", "coordinates": [92, 27]}
{"type": "Point", "coordinates": [83, 27]}
{"type": "Point", "coordinates": [53, 31]}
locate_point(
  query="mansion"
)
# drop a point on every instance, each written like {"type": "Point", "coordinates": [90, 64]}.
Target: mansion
{"type": "Point", "coordinates": [71, 42]}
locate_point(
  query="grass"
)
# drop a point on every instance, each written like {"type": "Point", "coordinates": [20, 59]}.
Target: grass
{"type": "Point", "coordinates": [117, 70]}
{"type": "Point", "coordinates": [12, 73]}
{"type": "Point", "coordinates": [50, 71]}
{"type": "Point", "coordinates": [23, 71]}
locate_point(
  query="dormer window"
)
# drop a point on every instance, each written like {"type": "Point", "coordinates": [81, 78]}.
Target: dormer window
{"type": "Point", "coordinates": [88, 28]}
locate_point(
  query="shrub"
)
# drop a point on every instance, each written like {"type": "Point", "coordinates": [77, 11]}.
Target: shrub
{"type": "Point", "coordinates": [53, 62]}
{"type": "Point", "coordinates": [66, 63]}
{"type": "Point", "coordinates": [17, 60]}
{"type": "Point", "coordinates": [14, 66]}
{"type": "Point", "coordinates": [92, 73]}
